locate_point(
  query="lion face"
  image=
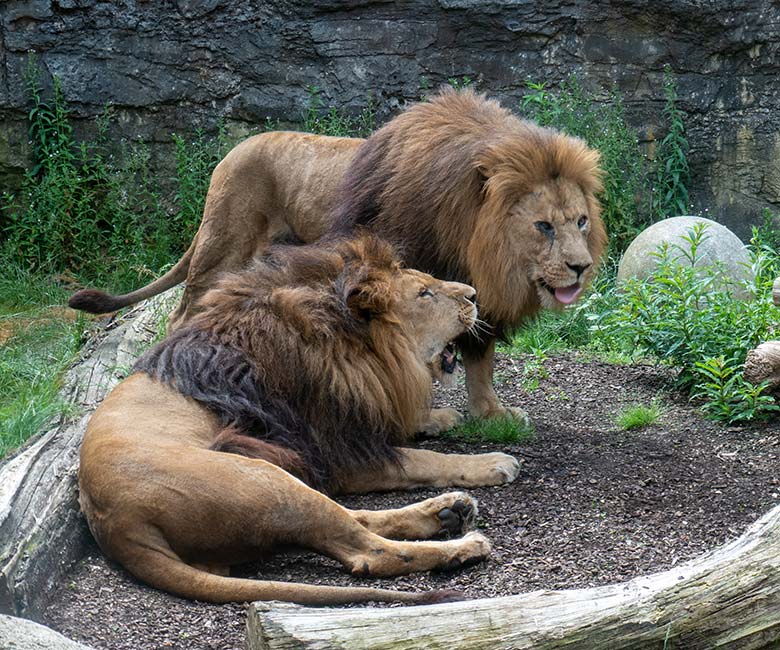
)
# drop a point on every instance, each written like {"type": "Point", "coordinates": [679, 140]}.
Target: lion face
{"type": "Point", "coordinates": [554, 224]}
{"type": "Point", "coordinates": [434, 313]}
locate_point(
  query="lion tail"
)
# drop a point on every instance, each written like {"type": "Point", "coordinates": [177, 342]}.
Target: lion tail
{"type": "Point", "coordinates": [95, 301]}
{"type": "Point", "coordinates": [231, 440]}
{"type": "Point", "coordinates": [161, 568]}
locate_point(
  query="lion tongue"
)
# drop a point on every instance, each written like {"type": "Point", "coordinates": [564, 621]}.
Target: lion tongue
{"type": "Point", "coordinates": [568, 295]}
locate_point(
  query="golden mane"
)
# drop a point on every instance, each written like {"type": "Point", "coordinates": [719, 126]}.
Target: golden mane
{"type": "Point", "coordinates": [439, 180]}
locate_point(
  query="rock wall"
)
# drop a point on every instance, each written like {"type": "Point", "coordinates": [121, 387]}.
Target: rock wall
{"type": "Point", "coordinates": [176, 65]}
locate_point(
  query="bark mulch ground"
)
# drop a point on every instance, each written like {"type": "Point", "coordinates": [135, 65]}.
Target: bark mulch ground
{"type": "Point", "coordinates": [593, 505]}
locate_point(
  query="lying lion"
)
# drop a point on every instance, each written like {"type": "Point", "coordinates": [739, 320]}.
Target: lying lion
{"type": "Point", "coordinates": [468, 191]}
{"type": "Point", "coordinates": [303, 372]}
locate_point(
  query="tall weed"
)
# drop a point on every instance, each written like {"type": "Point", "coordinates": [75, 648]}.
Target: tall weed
{"type": "Point", "coordinates": [672, 175]}
{"type": "Point", "coordinates": [331, 121]}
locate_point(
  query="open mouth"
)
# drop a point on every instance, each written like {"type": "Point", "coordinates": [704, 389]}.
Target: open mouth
{"type": "Point", "coordinates": [564, 295]}
{"type": "Point", "coordinates": [449, 358]}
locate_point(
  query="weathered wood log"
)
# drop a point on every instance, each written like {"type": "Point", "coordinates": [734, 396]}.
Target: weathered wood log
{"type": "Point", "coordinates": [41, 529]}
{"type": "Point", "coordinates": [763, 364]}
{"type": "Point", "coordinates": [728, 598]}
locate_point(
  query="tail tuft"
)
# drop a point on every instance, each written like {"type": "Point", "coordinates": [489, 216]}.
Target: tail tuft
{"type": "Point", "coordinates": [94, 301]}
{"type": "Point", "coordinates": [440, 596]}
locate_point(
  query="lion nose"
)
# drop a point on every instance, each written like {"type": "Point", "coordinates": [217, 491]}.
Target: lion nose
{"type": "Point", "coordinates": [579, 269]}
{"type": "Point", "coordinates": [471, 296]}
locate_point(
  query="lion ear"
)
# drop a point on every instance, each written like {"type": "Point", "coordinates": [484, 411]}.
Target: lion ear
{"type": "Point", "coordinates": [369, 299]}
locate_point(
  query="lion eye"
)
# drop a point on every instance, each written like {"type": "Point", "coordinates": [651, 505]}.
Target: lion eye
{"type": "Point", "coordinates": [545, 227]}
{"type": "Point", "coordinates": [582, 221]}
{"type": "Point", "coordinates": [425, 292]}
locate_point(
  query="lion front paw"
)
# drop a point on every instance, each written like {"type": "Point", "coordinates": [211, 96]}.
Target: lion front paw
{"type": "Point", "coordinates": [522, 417]}
{"type": "Point", "coordinates": [469, 549]}
{"type": "Point", "coordinates": [441, 420]}
{"type": "Point", "coordinates": [519, 415]}
{"type": "Point", "coordinates": [498, 468]}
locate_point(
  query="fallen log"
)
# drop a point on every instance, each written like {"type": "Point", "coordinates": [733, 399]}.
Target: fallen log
{"type": "Point", "coordinates": [762, 364]}
{"type": "Point", "coordinates": [42, 531]}
{"type": "Point", "coordinates": [728, 598]}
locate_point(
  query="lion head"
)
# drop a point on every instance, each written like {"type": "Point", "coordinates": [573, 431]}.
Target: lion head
{"type": "Point", "coordinates": [328, 349]}
{"type": "Point", "coordinates": [470, 192]}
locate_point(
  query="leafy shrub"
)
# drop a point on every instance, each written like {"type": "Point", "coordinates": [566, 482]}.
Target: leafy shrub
{"type": "Point", "coordinates": [727, 395]}
{"type": "Point", "coordinates": [683, 316]}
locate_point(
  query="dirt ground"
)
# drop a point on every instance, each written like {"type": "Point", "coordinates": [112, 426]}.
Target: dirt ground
{"type": "Point", "coordinates": [593, 505]}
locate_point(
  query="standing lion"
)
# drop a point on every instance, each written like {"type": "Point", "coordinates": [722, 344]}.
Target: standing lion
{"type": "Point", "coordinates": [465, 189]}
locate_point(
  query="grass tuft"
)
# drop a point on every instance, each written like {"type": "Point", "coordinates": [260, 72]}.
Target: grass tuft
{"type": "Point", "coordinates": [503, 429]}
{"type": "Point", "coordinates": [638, 416]}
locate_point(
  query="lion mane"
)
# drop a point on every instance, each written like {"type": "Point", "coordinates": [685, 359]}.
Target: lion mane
{"type": "Point", "coordinates": [303, 360]}
{"type": "Point", "coordinates": [440, 179]}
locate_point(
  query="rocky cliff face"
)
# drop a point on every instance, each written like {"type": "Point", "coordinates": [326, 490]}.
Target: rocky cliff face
{"type": "Point", "coordinates": [176, 65]}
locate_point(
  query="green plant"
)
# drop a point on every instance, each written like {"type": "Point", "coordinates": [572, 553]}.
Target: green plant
{"type": "Point", "coordinates": [331, 121]}
{"type": "Point", "coordinates": [534, 370]}
{"type": "Point", "coordinates": [96, 214]}
{"type": "Point", "coordinates": [459, 83]}
{"type": "Point", "coordinates": [36, 345]}
{"type": "Point", "coordinates": [727, 396]}
{"type": "Point", "coordinates": [638, 416]}
{"type": "Point", "coordinates": [502, 429]}
{"type": "Point", "coordinates": [672, 175]}
{"type": "Point", "coordinates": [195, 161]}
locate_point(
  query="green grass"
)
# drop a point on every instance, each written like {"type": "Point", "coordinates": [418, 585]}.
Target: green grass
{"type": "Point", "coordinates": [638, 416]}
{"type": "Point", "coordinates": [497, 429]}
{"type": "Point", "coordinates": [36, 345]}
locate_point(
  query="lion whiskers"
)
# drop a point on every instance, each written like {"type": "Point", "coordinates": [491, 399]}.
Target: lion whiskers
{"type": "Point", "coordinates": [479, 328]}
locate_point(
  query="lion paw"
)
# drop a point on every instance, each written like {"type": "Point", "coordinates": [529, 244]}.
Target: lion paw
{"type": "Point", "coordinates": [459, 516]}
{"type": "Point", "coordinates": [519, 415]}
{"type": "Point", "coordinates": [500, 468]}
{"type": "Point", "coordinates": [470, 549]}
{"type": "Point", "coordinates": [441, 420]}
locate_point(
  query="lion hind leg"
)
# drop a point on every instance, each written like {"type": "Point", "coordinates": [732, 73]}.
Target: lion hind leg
{"type": "Point", "coordinates": [157, 565]}
{"type": "Point", "coordinates": [453, 513]}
